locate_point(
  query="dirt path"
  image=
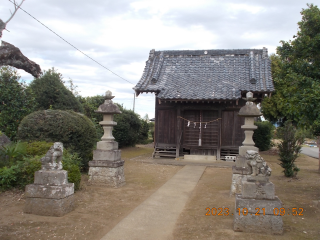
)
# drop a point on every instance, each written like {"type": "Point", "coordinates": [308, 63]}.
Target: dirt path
{"type": "Point", "coordinates": [99, 209]}
{"type": "Point", "coordinates": [213, 192]}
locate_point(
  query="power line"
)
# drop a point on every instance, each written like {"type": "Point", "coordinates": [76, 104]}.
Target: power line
{"type": "Point", "coordinates": [72, 45]}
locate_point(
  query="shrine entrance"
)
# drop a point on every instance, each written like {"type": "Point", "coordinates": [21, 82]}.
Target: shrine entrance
{"type": "Point", "coordinates": [201, 133]}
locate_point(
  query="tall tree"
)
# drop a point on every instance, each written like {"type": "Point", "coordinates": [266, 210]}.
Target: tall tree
{"type": "Point", "coordinates": [16, 101]}
{"type": "Point", "coordinates": [11, 55]}
{"type": "Point", "coordinates": [50, 92]}
{"type": "Point", "coordinates": [296, 74]}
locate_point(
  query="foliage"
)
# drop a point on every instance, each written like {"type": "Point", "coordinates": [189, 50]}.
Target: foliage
{"type": "Point", "coordinates": [91, 104]}
{"type": "Point", "coordinates": [130, 129]}
{"type": "Point", "coordinates": [126, 132]}
{"type": "Point", "coordinates": [305, 132]}
{"type": "Point", "coordinates": [296, 75]}
{"type": "Point", "coordinates": [15, 101]}
{"type": "Point", "coordinates": [19, 174]}
{"type": "Point", "coordinates": [28, 167]}
{"type": "Point", "coordinates": [8, 177]}
{"type": "Point", "coordinates": [72, 163]}
{"type": "Point", "coordinates": [12, 152]}
{"type": "Point", "coordinates": [38, 148]}
{"type": "Point", "coordinates": [289, 148]}
{"type": "Point", "coordinates": [144, 132]}
{"type": "Point", "coordinates": [262, 135]}
{"type": "Point", "coordinates": [151, 129]}
{"type": "Point", "coordinates": [74, 130]}
{"type": "Point", "coordinates": [50, 93]}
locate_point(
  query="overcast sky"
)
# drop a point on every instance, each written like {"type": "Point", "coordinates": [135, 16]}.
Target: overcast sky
{"type": "Point", "coordinates": [120, 33]}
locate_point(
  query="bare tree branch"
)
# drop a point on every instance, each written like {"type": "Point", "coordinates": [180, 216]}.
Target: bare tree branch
{"type": "Point", "coordinates": [12, 56]}
{"type": "Point", "coordinates": [3, 25]}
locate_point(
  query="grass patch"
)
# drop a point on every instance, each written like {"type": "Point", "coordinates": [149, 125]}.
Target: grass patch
{"type": "Point", "coordinates": [131, 152]}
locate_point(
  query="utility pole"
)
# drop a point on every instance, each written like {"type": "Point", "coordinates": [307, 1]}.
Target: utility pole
{"type": "Point", "coordinates": [134, 100]}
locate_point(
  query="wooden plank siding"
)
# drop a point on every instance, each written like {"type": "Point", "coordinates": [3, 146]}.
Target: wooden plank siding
{"type": "Point", "coordinates": [208, 133]}
{"type": "Point", "coordinates": [172, 132]}
{"type": "Point", "coordinates": [166, 127]}
{"type": "Point", "coordinates": [191, 133]}
{"type": "Point", "coordinates": [231, 133]}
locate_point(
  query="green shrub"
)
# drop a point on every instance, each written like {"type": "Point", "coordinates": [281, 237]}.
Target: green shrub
{"type": "Point", "coordinates": [126, 132]}
{"type": "Point", "coordinates": [90, 105]}
{"type": "Point", "coordinates": [50, 93]}
{"type": "Point", "coordinates": [74, 175]}
{"type": "Point", "coordinates": [151, 129]}
{"type": "Point", "coordinates": [144, 132]}
{"type": "Point", "coordinates": [20, 174]}
{"type": "Point", "coordinates": [262, 136]}
{"type": "Point", "coordinates": [16, 101]}
{"type": "Point", "coordinates": [72, 164]}
{"type": "Point", "coordinates": [38, 148]}
{"type": "Point", "coordinates": [74, 130]}
{"type": "Point", "coordinates": [11, 153]}
{"type": "Point", "coordinates": [289, 148]}
{"type": "Point", "coordinates": [8, 177]}
{"type": "Point", "coordinates": [28, 167]}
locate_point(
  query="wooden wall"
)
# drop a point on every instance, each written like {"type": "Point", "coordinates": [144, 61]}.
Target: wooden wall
{"type": "Point", "coordinates": [172, 131]}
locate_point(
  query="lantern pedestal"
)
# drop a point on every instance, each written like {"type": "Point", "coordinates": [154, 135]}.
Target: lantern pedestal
{"type": "Point", "coordinates": [240, 171]}
{"type": "Point", "coordinates": [107, 168]}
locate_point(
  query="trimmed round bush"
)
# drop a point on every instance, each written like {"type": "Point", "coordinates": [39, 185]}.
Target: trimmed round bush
{"type": "Point", "coordinates": [74, 130]}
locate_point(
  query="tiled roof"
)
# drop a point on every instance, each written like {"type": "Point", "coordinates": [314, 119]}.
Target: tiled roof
{"type": "Point", "coordinates": [206, 74]}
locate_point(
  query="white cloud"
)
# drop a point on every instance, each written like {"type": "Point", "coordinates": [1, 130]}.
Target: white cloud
{"type": "Point", "coordinates": [120, 34]}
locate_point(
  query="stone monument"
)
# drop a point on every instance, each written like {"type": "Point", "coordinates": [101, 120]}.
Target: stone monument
{"type": "Point", "coordinates": [51, 194]}
{"type": "Point", "coordinates": [257, 208]}
{"type": "Point", "coordinates": [241, 169]}
{"type": "Point", "coordinates": [106, 168]}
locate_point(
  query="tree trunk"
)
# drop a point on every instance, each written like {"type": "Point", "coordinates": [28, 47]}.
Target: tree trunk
{"type": "Point", "coordinates": [12, 56]}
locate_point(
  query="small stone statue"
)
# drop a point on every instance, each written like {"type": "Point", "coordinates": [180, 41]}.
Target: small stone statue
{"type": "Point", "coordinates": [53, 158]}
{"type": "Point", "coordinates": [257, 164]}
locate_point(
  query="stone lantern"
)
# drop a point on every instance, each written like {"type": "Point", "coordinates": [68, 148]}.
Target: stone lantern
{"type": "Point", "coordinates": [106, 168]}
{"type": "Point", "coordinates": [241, 170]}
{"type": "Point", "coordinates": [249, 112]}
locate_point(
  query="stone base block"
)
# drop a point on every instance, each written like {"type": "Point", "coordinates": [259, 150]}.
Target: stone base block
{"type": "Point", "coordinates": [242, 171]}
{"type": "Point", "coordinates": [49, 191]}
{"type": "Point", "coordinates": [236, 184]}
{"type": "Point", "coordinates": [106, 163]}
{"type": "Point", "coordinates": [267, 224]}
{"type": "Point", "coordinates": [199, 158]}
{"type": "Point", "coordinates": [257, 190]}
{"type": "Point", "coordinates": [112, 155]}
{"type": "Point", "coordinates": [103, 145]}
{"type": "Point", "coordinates": [258, 206]}
{"type": "Point", "coordinates": [49, 207]}
{"type": "Point", "coordinates": [54, 177]}
{"type": "Point", "coordinates": [249, 221]}
{"type": "Point", "coordinates": [243, 150]}
{"type": "Point", "coordinates": [241, 162]}
{"type": "Point", "coordinates": [113, 177]}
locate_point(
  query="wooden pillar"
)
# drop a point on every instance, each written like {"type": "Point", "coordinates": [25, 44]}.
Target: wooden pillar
{"type": "Point", "coordinates": [155, 138]}
{"type": "Point", "coordinates": [219, 137]}
{"type": "Point", "coordinates": [178, 130]}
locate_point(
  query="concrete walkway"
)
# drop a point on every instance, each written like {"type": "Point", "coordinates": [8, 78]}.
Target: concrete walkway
{"type": "Point", "coordinates": [155, 218]}
{"type": "Point", "coordinates": [312, 152]}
